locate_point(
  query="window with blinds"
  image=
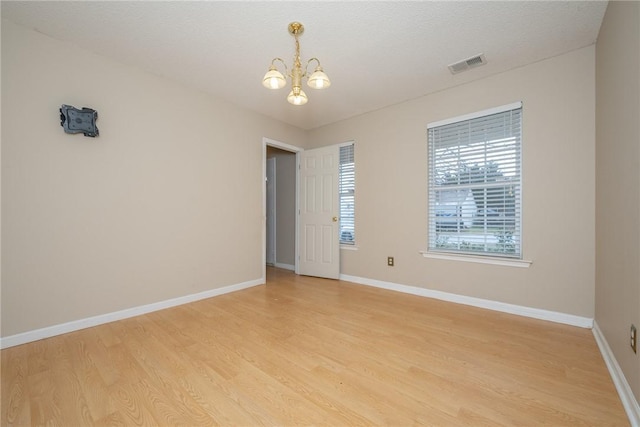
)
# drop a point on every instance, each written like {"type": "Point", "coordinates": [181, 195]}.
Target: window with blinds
{"type": "Point", "coordinates": [475, 184]}
{"type": "Point", "coordinates": [346, 183]}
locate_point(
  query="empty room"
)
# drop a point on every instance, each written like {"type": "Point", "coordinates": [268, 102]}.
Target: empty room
{"type": "Point", "coordinates": [326, 213]}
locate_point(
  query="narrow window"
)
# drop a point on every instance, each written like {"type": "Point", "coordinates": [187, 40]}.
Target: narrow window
{"type": "Point", "coordinates": [347, 187]}
{"type": "Point", "coordinates": [475, 184]}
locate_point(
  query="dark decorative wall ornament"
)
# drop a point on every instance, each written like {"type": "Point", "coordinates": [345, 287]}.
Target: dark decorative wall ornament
{"type": "Point", "coordinates": [83, 121]}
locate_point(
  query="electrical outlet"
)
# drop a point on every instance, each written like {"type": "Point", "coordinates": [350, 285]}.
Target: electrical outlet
{"type": "Point", "coordinates": [634, 339]}
{"type": "Point", "coordinates": [390, 261]}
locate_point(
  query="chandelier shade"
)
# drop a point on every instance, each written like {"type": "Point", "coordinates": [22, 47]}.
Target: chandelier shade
{"type": "Point", "coordinates": [275, 79]}
{"type": "Point", "coordinates": [319, 80]}
{"type": "Point", "coordinates": [299, 99]}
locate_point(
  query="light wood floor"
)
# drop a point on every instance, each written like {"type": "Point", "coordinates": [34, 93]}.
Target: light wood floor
{"type": "Point", "coordinates": [307, 351]}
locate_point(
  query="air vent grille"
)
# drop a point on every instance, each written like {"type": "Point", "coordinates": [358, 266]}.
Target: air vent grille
{"type": "Point", "coordinates": [466, 64]}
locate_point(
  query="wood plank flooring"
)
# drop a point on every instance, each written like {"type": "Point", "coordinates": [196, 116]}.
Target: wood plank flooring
{"type": "Point", "coordinates": [308, 351]}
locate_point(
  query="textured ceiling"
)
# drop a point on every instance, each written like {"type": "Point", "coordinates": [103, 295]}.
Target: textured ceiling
{"type": "Point", "coordinates": [376, 53]}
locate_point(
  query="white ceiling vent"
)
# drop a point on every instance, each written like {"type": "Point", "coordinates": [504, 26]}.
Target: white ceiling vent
{"type": "Point", "coordinates": [466, 64]}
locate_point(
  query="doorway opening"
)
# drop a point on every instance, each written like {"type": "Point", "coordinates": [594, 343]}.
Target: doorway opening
{"type": "Point", "coordinates": [280, 164]}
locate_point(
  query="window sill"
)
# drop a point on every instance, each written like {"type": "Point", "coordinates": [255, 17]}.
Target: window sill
{"type": "Point", "coordinates": [349, 247]}
{"type": "Point", "coordinates": [521, 263]}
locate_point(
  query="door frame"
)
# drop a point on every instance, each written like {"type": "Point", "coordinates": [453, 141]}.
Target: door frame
{"type": "Point", "coordinates": [286, 147]}
{"type": "Point", "coordinates": [271, 211]}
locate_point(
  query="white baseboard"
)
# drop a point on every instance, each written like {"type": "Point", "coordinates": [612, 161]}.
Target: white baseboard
{"type": "Point", "coordinates": [624, 390]}
{"type": "Point", "coordinates": [536, 313]}
{"type": "Point", "coordinates": [285, 266]}
{"type": "Point", "coordinates": [89, 322]}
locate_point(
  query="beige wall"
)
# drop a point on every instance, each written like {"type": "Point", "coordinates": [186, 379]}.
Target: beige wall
{"type": "Point", "coordinates": [558, 98]}
{"type": "Point", "coordinates": [140, 214]}
{"type": "Point", "coordinates": [618, 183]}
{"type": "Point", "coordinates": [143, 213]}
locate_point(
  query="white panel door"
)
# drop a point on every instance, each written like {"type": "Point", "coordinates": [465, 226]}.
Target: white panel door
{"type": "Point", "coordinates": [319, 245]}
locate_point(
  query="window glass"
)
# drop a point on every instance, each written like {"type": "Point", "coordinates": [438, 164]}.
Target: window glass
{"type": "Point", "coordinates": [475, 184]}
{"type": "Point", "coordinates": [347, 194]}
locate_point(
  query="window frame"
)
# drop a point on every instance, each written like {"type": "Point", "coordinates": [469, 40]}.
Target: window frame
{"type": "Point", "coordinates": [474, 255]}
{"type": "Point", "coordinates": [347, 243]}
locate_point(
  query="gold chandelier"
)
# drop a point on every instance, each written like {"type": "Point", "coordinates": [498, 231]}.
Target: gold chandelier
{"type": "Point", "coordinates": [274, 79]}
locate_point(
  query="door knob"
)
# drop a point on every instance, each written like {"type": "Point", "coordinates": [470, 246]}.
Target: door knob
{"type": "Point", "coordinates": [335, 219]}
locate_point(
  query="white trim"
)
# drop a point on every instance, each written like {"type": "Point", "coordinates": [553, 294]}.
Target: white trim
{"type": "Point", "coordinates": [281, 145]}
{"type": "Point", "coordinates": [535, 313]}
{"type": "Point", "coordinates": [348, 247]}
{"type": "Point", "coordinates": [350, 142]}
{"type": "Point", "coordinates": [471, 116]}
{"type": "Point", "coordinates": [629, 402]}
{"type": "Point", "coordinates": [285, 266]}
{"type": "Point", "coordinates": [89, 322]}
{"type": "Point", "coordinates": [522, 263]}
{"type": "Point", "coordinates": [296, 253]}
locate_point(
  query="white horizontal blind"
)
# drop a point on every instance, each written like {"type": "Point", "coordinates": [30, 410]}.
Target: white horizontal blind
{"type": "Point", "coordinates": [347, 187]}
{"type": "Point", "coordinates": [475, 185]}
